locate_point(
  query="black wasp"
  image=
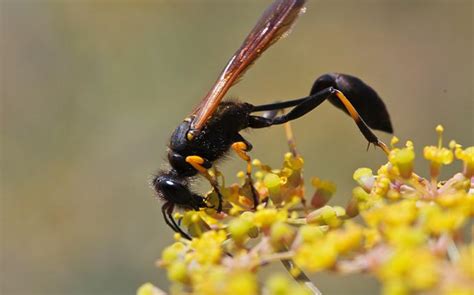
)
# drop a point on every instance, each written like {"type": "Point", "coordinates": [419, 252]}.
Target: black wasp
{"type": "Point", "coordinates": [213, 127]}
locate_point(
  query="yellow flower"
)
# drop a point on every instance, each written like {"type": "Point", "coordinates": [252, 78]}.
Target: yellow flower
{"type": "Point", "coordinates": [401, 213]}
{"type": "Point", "coordinates": [324, 191]}
{"type": "Point", "coordinates": [171, 253]}
{"type": "Point", "coordinates": [272, 182]}
{"type": "Point", "coordinates": [403, 160]}
{"type": "Point", "coordinates": [424, 274]}
{"type": "Point", "coordinates": [467, 156]}
{"type": "Point", "coordinates": [177, 272]}
{"type": "Point", "coordinates": [194, 221]}
{"type": "Point", "coordinates": [281, 235]}
{"type": "Point", "coordinates": [352, 208]}
{"type": "Point", "coordinates": [360, 194]}
{"type": "Point", "coordinates": [440, 156]}
{"type": "Point", "coordinates": [364, 178]}
{"type": "Point", "coordinates": [466, 260]}
{"type": "Point", "coordinates": [327, 215]}
{"type": "Point", "coordinates": [458, 290]}
{"type": "Point", "coordinates": [346, 239]}
{"type": "Point", "coordinates": [295, 163]}
{"type": "Point", "coordinates": [406, 236]}
{"type": "Point", "coordinates": [395, 287]}
{"type": "Point", "coordinates": [381, 186]}
{"type": "Point", "coordinates": [414, 268]}
{"type": "Point", "coordinates": [210, 281]}
{"type": "Point", "coordinates": [241, 283]}
{"type": "Point", "coordinates": [394, 141]}
{"type": "Point", "coordinates": [208, 248]}
{"type": "Point", "coordinates": [279, 284]}
{"type": "Point", "coordinates": [409, 223]}
{"type": "Point", "coordinates": [149, 289]}
{"type": "Point", "coordinates": [265, 217]}
{"type": "Point", "coordinates": [372, 237]}
{"type": "Point", "coordinates": [373, 217]}
{"type": "Point", "coordinates": [239, 228]}
{"type": "Point", "coordinates": [316, 256]}
{"type": "Point", "coordinates": [310, 233]}
{"type": "Point", "coordinates": [437, 155]}
{"type": "Point", "coordinates": [393, 195]}
{"type": "Point", "coordinates": [451, 200]}
{"type": "Point", "coordinates": [437, 221]}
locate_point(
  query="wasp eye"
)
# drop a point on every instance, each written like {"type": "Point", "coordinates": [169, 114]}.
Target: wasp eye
{"type": "Point", "coordinates": [178, 162]}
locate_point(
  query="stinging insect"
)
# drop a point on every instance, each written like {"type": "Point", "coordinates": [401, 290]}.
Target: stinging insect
{"type": "Point", "coordinates": [213, 127]}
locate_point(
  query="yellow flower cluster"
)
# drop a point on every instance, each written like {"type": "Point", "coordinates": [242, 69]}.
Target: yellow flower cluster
{"type": "Point", "coordinates": [412, 235]}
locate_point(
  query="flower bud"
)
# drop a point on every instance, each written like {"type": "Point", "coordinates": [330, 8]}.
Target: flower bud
{"type": "Point", "coordinates": [310, 233]}
{"type": "Point", "coordinates": [467, 156]}
{"type": "Point", "coordinates": [281, 235]}
{"type": "Point", "coordinates": [238, 229]}
{"type": "Point", "coordinates": [273, 183]}
{"type": "Point", "coordinates": [364, 178]}
{"type": "Point", "coordinates": [326, 215]}
{"type": "Point", "coordinates": [403, 160]}
{"type": "Point", "coordinates": [352, 207]}
{"type": "Point", "coordinates": [177, 272]}
{"type": "Point", "coordinates": [149, 289]}
{"type": "Point", "coordinates": [324, 192]}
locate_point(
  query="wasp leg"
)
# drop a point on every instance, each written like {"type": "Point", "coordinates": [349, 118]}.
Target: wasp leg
{"type": "Point", "coordinates": [311, 102]}
{"type": "Point", "coordinates": [364, 99]}
{"type": "Point", "coordinates": [278, 105]}
{"type": "Point", "coordinates": [202, 165]}
{"type": "Point", "coordinates": [167, 211]}
{"type": "Point", "coordinates": [165, 216]}
{"type": "Point", "coordinates": [199, 163]}
{"type": "Point", "coordinates": [241, 147]}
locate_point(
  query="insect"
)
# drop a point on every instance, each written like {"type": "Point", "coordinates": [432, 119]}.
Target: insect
{"type": "Point", "coordinates": [213, 127]}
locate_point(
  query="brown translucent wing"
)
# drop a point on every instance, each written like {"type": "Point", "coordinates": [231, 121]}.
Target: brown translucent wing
{"type": "Point", "coordinates": [272, 25]}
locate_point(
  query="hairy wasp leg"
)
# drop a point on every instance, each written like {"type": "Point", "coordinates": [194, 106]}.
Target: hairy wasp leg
{"type": "Point", "coordinates": [167, 211]}
{"type": "Point", "coordinates": [241, 147]}
{"type": "Point", "coordinates": [311, 102]}
{"type": "Point", "coordinates": [202, 165]}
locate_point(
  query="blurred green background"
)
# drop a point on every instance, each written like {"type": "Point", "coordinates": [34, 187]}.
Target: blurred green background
{"type": "Point", "coordinates": [91, 91]}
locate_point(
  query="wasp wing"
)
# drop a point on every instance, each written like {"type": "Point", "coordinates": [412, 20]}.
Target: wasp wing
{"type": "Point", "coordinates": [272, 25]}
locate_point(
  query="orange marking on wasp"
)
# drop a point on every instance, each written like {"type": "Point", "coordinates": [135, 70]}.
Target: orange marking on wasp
{"type": "Point", "coordinates": [352, 111]}
{"type": "Point", "coordinates": [240, 148]}
{"type": "Point", "coordinates": [196, 162]}
{"type": "Point", "coordinates": [355, 115]}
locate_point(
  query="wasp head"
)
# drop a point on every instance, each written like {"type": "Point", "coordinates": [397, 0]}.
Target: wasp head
{"type": "Point", "coordinates": [173, 188]}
